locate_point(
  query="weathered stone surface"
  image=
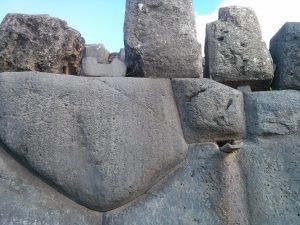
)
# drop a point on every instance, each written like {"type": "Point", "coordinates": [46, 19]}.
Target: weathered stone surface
{"type": "Point", "coordinates": [273, 112]}
{"type": "Point", "coordinates": [209, 111]}
{"type": "Point", "coordinates": [160, 39]}
{"type": "Point", "coordinates": [235, 53]}
{"type": "Point", "coordinates": [272, 174]}
{"type": "Point", "coordinates": [27, 200]}
{"type": "Point", "coordinates": [206, 189]}
{"type": "Point", "coordinates": [97, 51]}
{"type": "Point", "coordinates": [91, 68]}
{"type": "Point", "coordinates": [285, 50]}
{"type": "Point", "coordinates": [102, 141]}
{"type": "Point", "coordinates": [39, 43]}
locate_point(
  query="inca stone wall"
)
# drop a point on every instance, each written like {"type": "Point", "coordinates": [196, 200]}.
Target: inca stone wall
{"type": "Point", "coordinates": [167, 148]}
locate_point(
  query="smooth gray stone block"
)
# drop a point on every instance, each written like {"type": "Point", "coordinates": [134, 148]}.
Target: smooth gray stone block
{"type": "Point", "coordinates": [102, 141]}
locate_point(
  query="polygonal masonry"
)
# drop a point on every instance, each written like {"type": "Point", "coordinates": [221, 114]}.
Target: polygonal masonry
{"type": "Point", "coordinates": [204, 190]}
{"type": "Point", "coordinates": [209, 111]}
{"type": "Point", "coordinates": [102, 141]}
{"type": "Point", "coordinates": [25, 199]}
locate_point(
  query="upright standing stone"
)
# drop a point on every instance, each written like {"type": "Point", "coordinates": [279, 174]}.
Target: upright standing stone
{"type": "Point", "coordinates": [160, 39]}
{"type": "Point", "coordinates": [39, 43]}
{"type": "Point", "coordinates": [285, 50]}
{"type": "Point", "coordinates": [235, 53]}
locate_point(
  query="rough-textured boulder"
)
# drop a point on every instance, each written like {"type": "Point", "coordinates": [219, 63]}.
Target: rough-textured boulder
{"type": "Point", "coordinates": [160, 39]}
{"type": "Point", "coordinates": [207, 189]}
{"type": "Point", "coordinates": [273, 112]}
{"type": "Point", "coordinates": [272, 176]}
{"type": "Point", "coordinates": [90, 67]}
{"type": "Point", "coordinates": [39, 43]}
{"type": "Point", "coordinates": [209, 111]}
{"type": "Point", "coordinates": [285, 50]}
{"type": "Point", "coordinates": [27, 200]}
{"type": "Point", "coordinates": [235, 53]}
{"type": "Point", "coordinates": [102, 141]}
{"type": "Point", "coordinates": [97, 51]}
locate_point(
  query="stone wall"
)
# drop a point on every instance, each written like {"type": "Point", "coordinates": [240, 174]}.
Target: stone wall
{"type": "Point", "coordinates": [165, 147]}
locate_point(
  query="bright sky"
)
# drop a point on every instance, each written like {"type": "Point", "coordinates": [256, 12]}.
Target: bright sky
{"type": "Point", "coordinates": [101, 21]}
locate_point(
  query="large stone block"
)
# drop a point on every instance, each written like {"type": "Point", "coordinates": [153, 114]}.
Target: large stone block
{"type": "Point", "coordinates": [25, 199]}
{"type": "Point", "coordinates": [285, 50]}
{"type": "Point", "coordinates": [209, 111]}
{"type": "Point", "coordinates": [273, 112]}
{"type": "Point", "coordinates": [39, 43]}
{"type": "Point", "coordinates": [160, 39]}
{"type": "Point", "coordinates": [206, 189]}
{"type": "Point", "coordinates": [102, 141]}
{"type": "Point", "coordinates": [272, 176]}
{"type": "Point", "coordinates": [235, 53]}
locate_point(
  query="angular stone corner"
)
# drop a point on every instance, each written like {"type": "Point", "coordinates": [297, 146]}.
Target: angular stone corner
{"type": "Point", "coordinates": [206, 189]}
{"type": "Point", "coordinates": [235, 53]}
{"type": "Point", "coordinates": [27, 200]}
{"type": "Point", "coordinates": [285, 50]}
{"type": "Point", "coordinates": [209, 111]}
{"type": "Point", "coordinates": [102, 141]}
{"type": "Point", "coordinates": [160, 39]}
{"type": "Point", "coordinates": [273, 112]}
{"type": "Point", "coordinates": [39, 43]}
{"type": "Point", "coordinates": [272, 176]}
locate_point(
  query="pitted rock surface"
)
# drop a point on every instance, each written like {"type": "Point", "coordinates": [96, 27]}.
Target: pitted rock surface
{"type": "Point", "coordinates": [160, 39]}
{"type": "Point", "coordinates": [209, 111]}
{"type": "Point", "coordinates": [235, 53]}
{"type": "Point", "coordinates": [285, 50]}
{"type": "Point", "coordinates": [102, 141]}
{"type": "Point", "coordinates": [39, 43]}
